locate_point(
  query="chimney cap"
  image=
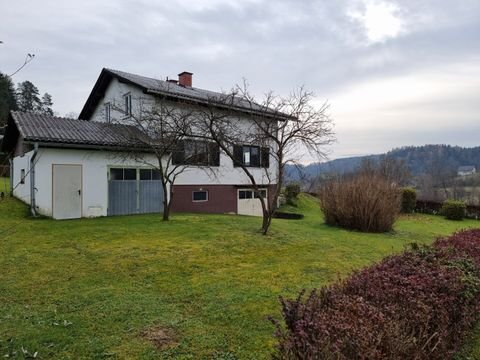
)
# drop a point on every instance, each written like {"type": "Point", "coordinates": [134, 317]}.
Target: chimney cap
{"type": "Point", "coordinates": [185, 73]}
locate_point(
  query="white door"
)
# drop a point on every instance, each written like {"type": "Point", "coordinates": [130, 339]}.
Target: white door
{"type": "Point", "coordinates": [248, 203]}
{"type": "Point", "coordinates": [67, 191]}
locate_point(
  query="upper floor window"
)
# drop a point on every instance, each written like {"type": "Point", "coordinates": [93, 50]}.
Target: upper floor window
{"type": "Point", "coordinates": [194, 152]}
{"type": "Point", "coordinates": [252, 156]}
{"type": "Point", "coordinates": [127, 104]}
{"type": "Point", "coordinates": [108, 110]}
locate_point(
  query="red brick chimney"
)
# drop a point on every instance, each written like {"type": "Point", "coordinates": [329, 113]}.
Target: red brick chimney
{"type": "Point", "coordinates": [185, 79]}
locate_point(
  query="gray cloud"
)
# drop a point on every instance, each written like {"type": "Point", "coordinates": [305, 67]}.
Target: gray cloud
{"type": "Point", "coordinates": [275, 45]}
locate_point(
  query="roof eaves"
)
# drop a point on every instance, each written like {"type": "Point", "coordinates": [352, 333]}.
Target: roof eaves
{"type": "Point", "coordinates": [21, 130]}
{"type": "Point", "coordinates": [222, 105]}
{"type": "Point", "coordinates": [86, 145]}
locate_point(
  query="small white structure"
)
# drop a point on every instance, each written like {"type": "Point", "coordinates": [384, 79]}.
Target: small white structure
{"type": "Point", "coordinates": [71, 168]}
{"type": "Point", "coordinates": [466, 170]}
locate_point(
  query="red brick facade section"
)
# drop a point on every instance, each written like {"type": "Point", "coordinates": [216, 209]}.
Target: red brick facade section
{"type": "Point", "coordinates": [222, 199]}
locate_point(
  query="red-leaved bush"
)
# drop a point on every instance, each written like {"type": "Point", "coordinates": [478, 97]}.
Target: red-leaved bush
{"type": "Point", "coordinates": [417, 305]}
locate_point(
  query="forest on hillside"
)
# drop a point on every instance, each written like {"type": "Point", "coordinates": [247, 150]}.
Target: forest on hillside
{"type": "Point", "coordinates": [432, 170]}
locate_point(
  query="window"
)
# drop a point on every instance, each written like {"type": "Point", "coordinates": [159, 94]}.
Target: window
{"type": "Point", "coordinates": [261, 193]}
{"type": "Point", "coordinates": [108, 110]}
{"type": "Point", "coordinates": [123, 174]}
{"type": "Point", "coordinates": [127, 107]}
{"type": "Point", "coordinates": [196, 152]}
{"type": "Point", "coordinates": [251, 194]}
{"type": "Point", "coordinates": [200, 196]}
{"type": "Point", "coordinates": [199, 153]}
{"type": "Point", "coordinates": [245, 194]}
{"type": "Point", "coordinates": [22, 176]}
{"type": "Point", "coordinates": [252, 156]}
{"type": "Point", "coordinates": [149, 174]}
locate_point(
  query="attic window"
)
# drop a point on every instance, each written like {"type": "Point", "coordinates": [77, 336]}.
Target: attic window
{"type": "Point", "coordinates": [127, 101]}
{"type": "Point", "coordinates": [108, 109]}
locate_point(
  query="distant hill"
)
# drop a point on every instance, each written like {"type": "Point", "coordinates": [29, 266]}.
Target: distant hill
{"type": "Point", "coordinates": [419, 159]}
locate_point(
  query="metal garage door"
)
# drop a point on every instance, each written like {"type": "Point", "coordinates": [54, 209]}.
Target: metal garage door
{"type": "Point", "coordinates": [134, 191]}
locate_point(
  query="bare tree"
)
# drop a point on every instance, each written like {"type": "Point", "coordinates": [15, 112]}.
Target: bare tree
{"type": "Point", "coordinates": [282, 129]}
{"type": "Point", "coordinates": [160, 127]}
{"type": "Point", "coordinates": [387, 167]}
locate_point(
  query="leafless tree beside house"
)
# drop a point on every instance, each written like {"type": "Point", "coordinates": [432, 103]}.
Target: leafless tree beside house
{"type": "Point", "coordinates": [284, 129]}
{"type": "Point", "coordinates": [159, 127]}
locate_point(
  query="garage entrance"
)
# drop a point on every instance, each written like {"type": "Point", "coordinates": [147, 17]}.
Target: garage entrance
{"type": "Point", "coordinates": [134, 191]}
{"type": "Point", "coordinates": [249, 202]}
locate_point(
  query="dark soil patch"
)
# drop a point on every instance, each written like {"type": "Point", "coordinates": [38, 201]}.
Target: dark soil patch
{"type": "Point", "coordinates": [162, 337]}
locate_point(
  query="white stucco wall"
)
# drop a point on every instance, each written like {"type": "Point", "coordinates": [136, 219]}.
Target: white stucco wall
{"type": "Point", "coordinates": [22, 191]}
{"type": "Point", "coordinates": [114, 95]}
{"type": "Point", "coordinates": [225, 174]}
{"type": "Point", "coordinates": [95, 166]}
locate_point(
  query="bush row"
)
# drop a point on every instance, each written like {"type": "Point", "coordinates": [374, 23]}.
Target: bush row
{"type": "Point", "coordinates": [417, 305]}
{"type": "Point", "coordinates": [435, 207]}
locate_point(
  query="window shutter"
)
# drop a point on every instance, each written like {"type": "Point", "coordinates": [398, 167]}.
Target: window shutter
{"type": "Point", "coordinates": [178, 156]}
{"type": "Point", "coordinates": [237, 155]}
{"type": "Point", "coordinates": [265, 157]}
{"type": "Point", "coordinates": [214, 151]}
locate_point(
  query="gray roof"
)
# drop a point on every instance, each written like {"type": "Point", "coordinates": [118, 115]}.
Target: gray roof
{"type": "Point", "coordinates": [52, 129]}
{"type": "Point", "coordinates": [193, 93]}
{"type": "Point", "coordinates": [174, 90]}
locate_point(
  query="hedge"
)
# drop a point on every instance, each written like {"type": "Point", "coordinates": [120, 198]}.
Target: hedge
{"type": "Point", "coordinates": [434, 207]}
{"type": "Point", "coordinates": [453, 209]}
{"type": "Point", "coordinates": [286, 215]}
{"type": "Point", "coordinates": [409, 200]}
{"type": "Point", "coordinates": [416, 305]}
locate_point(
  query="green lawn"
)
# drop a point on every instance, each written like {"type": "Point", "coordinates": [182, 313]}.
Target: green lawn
{"type": "Point", "coordinates": [91, 288]}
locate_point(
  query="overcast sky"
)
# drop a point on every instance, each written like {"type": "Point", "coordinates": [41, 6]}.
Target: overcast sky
{"type": "Point", "coordinates": [395, 72]}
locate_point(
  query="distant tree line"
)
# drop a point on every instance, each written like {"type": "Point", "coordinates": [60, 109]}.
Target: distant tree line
{"type": "Point", "coordinates": [25, 97]}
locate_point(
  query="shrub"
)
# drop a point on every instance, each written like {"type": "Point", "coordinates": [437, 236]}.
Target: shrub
{"type": "Point", "coordinates": [291, 193]}
{"type": "Point", "coordinates": [365, 203]}
{"type": "Point", "coordinates": [286, 215]}
{"type": "Point", "coordinates": [453, 209]}
{"type": "Point", "coordinates": [417, 305]}
{"type": "Point", "coordinates": [409, 200]}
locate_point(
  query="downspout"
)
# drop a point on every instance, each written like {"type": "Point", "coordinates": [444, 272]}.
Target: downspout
{"type": "Point", "coordinates": [32, 180]}
{"type": "Point", "coordinates": [11, 176]}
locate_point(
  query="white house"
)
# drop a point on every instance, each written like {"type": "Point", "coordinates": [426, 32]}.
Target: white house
{"type": "Point", "coordinates": [466, 170]}
{"type": "Point", "coordinates": [72, 168]}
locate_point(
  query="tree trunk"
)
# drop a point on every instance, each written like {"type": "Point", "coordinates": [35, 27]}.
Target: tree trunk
{"type": "Point", "coordinates": [266, 221]}
{"type": "Point", "coordinates": [166, 203]}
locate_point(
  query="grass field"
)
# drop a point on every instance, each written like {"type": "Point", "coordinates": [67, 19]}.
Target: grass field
{"type": "Point", "coordinates": [203, 285]}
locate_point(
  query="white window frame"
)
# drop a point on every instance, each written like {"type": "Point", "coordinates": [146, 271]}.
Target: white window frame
{"type": "Point", "coordinates": [127, 103]}
{"type": "Point", "coordinates": [253, 193]}
{"type": "Point", "coordinates": [196, 191]}
{"type": "Point", "coordinates": [108, 112]}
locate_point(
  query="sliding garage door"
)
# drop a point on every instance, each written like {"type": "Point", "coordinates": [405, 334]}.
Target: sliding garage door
{"type": "Point", "coordinates": [134, 191]}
